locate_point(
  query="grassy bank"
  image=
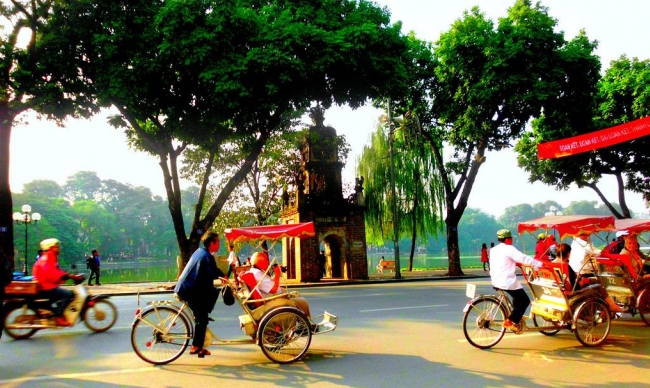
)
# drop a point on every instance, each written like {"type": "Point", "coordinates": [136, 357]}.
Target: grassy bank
{"type": "Point", "coordinates": [163, 271]}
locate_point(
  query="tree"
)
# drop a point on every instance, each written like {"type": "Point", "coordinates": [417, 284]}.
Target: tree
{"type": "Point", "coordinates": [216, 73]}
{"type": "Point", "coordinates": [418, 188]}
{"type": "Point", "coordinates": [620, 96]}
{"type": "Point", "coordinates": [84, 185]}
{"type": "Point", "coordinates": [258, 199]}
{"type": "Point", "coordinates": [484, 85]}
{"type": "Point", "coordinates": [476, 228]}
{"type": "Point", "coordinates": [589, 208]}
{"type": "Point", "coordinates": [44, 187]}
{"type": "Point", "coordinates": [24, 86]}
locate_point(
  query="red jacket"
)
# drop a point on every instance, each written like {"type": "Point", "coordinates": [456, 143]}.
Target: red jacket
{"type": "Point", "coordinates": [47, 272]}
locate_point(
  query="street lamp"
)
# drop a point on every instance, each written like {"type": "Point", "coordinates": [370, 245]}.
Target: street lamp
{"type": "Point", "coordinates": [27, 219]}
{"type": "Point", "coordinates": [391, 127]}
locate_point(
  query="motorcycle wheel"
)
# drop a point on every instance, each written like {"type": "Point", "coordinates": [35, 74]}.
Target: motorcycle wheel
{"type": "Point", "coordinates": [101, 316]}
{"type": "Point", "coordinates": [19, 314]}
{"type": "Point", "coordinates": [483, 323]}
{"type": "Point", "coordinates": [592, 322]}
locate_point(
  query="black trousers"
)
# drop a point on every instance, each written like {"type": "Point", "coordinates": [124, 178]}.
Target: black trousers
{"type": "Point", "coordinates": [94, 273]}
{"type": "Point", "coordinates": [201, 308]}
{"type": "Point", "coordinates": [58, 296]}
{"type": "Point", "coordinates": [520, 302]}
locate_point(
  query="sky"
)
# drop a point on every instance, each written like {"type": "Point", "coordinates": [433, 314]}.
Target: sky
{"type": "Point", "coordinates": [41, 150]}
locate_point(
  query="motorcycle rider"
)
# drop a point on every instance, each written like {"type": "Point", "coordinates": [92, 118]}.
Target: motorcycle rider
{"type": "Point", "coordinates": [49, 276]}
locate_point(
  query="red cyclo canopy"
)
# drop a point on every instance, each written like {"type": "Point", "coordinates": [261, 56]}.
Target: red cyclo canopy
{"type": "Point", "coordinates": [569, 226]}
{"type": "Point", "coordinates": [633, 226]}
{"type": "Point", "coordinates": [270, 232]}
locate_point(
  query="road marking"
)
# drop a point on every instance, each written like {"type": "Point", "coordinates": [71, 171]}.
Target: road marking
{"type": "Point", "coordinates": [75, 375]}
{"type": "Point", "coordinates": [403, 308]}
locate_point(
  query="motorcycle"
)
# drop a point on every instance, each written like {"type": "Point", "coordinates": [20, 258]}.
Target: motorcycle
{"type": "Point", "coordinates": [25, 312]}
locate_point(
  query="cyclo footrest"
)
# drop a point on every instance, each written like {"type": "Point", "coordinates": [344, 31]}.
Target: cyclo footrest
{"type": "Point", "coordinates": [328, 323]}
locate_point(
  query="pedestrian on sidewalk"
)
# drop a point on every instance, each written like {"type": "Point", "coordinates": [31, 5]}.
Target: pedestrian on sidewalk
{"type": "Point", "coordinates": [93, 265]}
{"type": "Point", "coordinates": [485, 259]}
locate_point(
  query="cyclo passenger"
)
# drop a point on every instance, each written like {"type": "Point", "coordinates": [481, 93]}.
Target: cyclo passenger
{"type": "Point", "coordinates": [563, 256]}
{"type": "Point", "coordinates": [271, 286]}
{"type": "Point", "coordinates": [504, 258]}
{"type": "Point", "coordinates": [49, 276]}
{"type": "Point", "coordinates": [637, 258]}
{"type": "Point", "coordinates": [563, 253]}
{"type": "Point", "coordinates": [582, 250]}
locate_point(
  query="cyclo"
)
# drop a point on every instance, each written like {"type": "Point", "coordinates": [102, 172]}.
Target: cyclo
{"type": "Point", "coordinates": [555, 304]}
{"type": "Point", "coordinates": [622, 276]}
{"type": "Point", "coordinates": [162, 330]}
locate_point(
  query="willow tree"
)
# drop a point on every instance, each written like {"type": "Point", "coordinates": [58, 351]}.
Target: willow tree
{"type": "Point", "coordinates": [620, 96]}
{"type": "Point", "coordinates": [487, 81]}
{"type": "Point", "coordinates": [210, 73]}
{"type": "Point", "coordinates": [418, 188]}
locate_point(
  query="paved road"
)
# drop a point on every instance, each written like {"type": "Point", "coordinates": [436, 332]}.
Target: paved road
{"type": "Point", "coordinates": [392, 334]}
{"type": "Point", "coordinates": [166, 287]}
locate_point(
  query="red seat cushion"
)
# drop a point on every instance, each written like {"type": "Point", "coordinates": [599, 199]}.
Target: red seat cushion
{"type": "Point", "coordinates": [249, 280]}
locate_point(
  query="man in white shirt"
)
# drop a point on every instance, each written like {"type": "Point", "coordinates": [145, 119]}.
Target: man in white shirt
{"type": "Point", "coordinates": [581, 251]}
{"type": "Point", "coordinates": [503, 266]}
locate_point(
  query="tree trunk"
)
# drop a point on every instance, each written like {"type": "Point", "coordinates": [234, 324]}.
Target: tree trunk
{"type": "Point", "coordinates": [6, 203]}
{"type": "Point", "coordinates": [453, 250]}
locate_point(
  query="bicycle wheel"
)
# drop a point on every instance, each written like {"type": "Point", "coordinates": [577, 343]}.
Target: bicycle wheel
{"type": "Point", "coordinates": [284, 336]}
{"type": "Point", "coordinates": [644, 305]}
{"type": "Point", "coordinates": [483, 323]}
{"type": "Point", "coordinates": [545, 322]}
{"type": "Point", "coordinates": [592, 322]}
{"type": "Point", "coordinates": [17, 315]}
{"type": "Point", "coordinates": [160, 335]}
{"type": "Point", "coordinates": [101, 316]}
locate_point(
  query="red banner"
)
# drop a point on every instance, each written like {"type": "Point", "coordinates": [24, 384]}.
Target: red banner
{"type": "Point", "coordinates": [594, 140]}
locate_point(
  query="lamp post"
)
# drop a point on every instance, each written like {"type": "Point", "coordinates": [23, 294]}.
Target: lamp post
{"type": "Point", "coordinates": [391, 126]}
{"type": "Point", "coordinates": [27, 219]}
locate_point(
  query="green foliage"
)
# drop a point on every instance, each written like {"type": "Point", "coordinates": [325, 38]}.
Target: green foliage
{"type": "Point", "coordinates": [488, 81]}
{"type": "Point", "coordinates": [119, 220]}
{"type": "Point", "coordinates": [217, 76]}
{"type": "Point", "coordinates": [619, 96]}
{"type": "Point", "coordinates": [418, 187]}
{"type": "Point", "coordinates": [25, 84]}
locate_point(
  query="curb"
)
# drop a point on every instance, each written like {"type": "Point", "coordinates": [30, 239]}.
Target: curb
{"type": "Point", "coordinates": [126, 289]}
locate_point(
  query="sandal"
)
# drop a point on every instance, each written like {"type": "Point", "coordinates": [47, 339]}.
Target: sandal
{"type": "Point", "coordinates": [200, 352]}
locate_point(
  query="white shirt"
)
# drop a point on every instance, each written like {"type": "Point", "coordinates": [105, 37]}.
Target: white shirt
{"type": "Point", "coordinates": [581, 251]}
{"type": "Point", "coordinates": [232, 258]}
{"type": "Point", "coordinates": [266, 284]}
{"type": "Point", "coordinates": [503, 261]}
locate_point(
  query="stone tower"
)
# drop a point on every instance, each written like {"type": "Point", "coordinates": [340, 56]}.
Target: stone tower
{"type": "Point", "coordinates": [318, 197]}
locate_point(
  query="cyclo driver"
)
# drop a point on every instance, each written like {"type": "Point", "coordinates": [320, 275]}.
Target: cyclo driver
{"type": "Point", "coordinates": [503, 266]}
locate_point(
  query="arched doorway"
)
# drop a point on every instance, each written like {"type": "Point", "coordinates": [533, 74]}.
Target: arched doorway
{"type": "Point", "coordinates": [291, 259]}
{"type": "Point", "coordinates": [334, 259]}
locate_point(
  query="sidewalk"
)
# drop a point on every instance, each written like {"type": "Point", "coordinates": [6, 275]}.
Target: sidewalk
{"type": "Point", "coordinates": [167, 287]}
